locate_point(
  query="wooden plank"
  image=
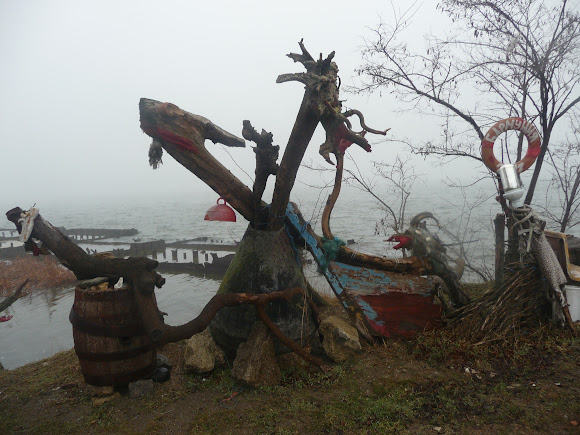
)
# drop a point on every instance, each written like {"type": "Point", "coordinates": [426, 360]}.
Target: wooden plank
{"type": "Point", "coordinates": [389, 303]}
{"type": "Point", "coordinates": [360, 280]}
{"type": "Point", "coordinates": [392, 304]}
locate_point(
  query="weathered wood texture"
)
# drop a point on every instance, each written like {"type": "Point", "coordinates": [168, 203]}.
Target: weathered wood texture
{"type": "Point", "coordinates": [259, 301]}
{"type": "Point", "coordinates": [499, 224]}
{"type": "Point", "coordinates": [411, 265]}
{"type": "Point", "coordinates": [302, 132]}
{"type": "Point", "coordinates": [13, 297]}
{"type": "Point", "coordinates": [110, 339]}
{"type": "Point", "coordinates": [183, 136]}
{"type": "Point", "coordinates": [266, 157]}
{"type": "Point", "coordinates": [140, 276]}
{"type": "Point", "coordinates": [332, 198]}
{"type": "Point", "coordinates": [321, 103]}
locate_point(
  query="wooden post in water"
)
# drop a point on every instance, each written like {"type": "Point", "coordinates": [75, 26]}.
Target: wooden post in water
{"type": "Point", "coordinates": [499, 224]}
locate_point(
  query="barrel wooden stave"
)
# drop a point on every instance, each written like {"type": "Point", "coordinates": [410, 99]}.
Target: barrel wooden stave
{"type": "Point", "coordinates": [110, 341]}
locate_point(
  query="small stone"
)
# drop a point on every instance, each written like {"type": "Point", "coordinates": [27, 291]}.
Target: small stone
{"type": "Point", "coordinates": [99, 400]}
{"type": "Point", "coordinates": [340, 338]}
{"type": "Point", "coordinates": [255, 364]}
{"type": "Point", "coordinates": [202, 354]}
{"type": "Point", "coordinates": [163, 361]}
{"type": "Point", "coordinates": [141, 388]}
{"type": "Point", "coordinates": [162, 374]}
{"type": "Point", "coordinates": [290, 361]}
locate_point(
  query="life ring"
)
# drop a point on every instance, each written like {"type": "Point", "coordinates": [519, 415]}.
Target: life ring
{"type": "Point", "coordinates": [519, 124]}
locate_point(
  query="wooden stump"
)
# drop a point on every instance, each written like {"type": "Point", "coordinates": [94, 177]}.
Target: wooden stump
{"type": "Point", "coordinates": [265, 262]}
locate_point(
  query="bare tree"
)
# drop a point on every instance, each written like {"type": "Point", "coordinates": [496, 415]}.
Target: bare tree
{"type": "Point", "coordinates": [461, 232]}
{"type": "Point", "coordinates": [502, 58]}
{"type": "Point", "coordinates": [563, 206]}
{"type": "Point", "coordinates": [400, 177]}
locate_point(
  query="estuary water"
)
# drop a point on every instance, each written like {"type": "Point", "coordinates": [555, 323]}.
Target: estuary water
{"type": "Point", "coordinates": [40, 326]}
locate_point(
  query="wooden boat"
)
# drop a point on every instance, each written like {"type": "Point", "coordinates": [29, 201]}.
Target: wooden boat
{"type": "Point", "coordinates": [388, 303]}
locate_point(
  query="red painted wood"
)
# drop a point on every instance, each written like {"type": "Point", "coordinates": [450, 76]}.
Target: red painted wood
{"type": "Point", "coordinates": [401, 314]}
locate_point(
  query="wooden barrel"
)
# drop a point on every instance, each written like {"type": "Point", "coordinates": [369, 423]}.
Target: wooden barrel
{"type": "Point", "coordinates": [110, 340]}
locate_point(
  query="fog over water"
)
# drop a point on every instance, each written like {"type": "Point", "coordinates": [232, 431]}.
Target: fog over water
{"type": "Point", "coordinates": [73, 73]}
{"type": "Point", "coordinates": [71, 78]}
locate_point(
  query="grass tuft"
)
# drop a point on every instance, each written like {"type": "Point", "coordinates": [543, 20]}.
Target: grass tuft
{"type": "Point", "coordinates": [43, 272]}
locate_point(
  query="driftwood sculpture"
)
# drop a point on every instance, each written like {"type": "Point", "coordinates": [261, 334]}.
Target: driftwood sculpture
{"type": "Point", "coordinates": [266, 261]}
{"type": "Point", "coordinates": [140, 274]}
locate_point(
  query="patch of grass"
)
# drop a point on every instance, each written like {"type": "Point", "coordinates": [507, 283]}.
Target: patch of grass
{"type": "Point", "coordinates": [524, 352]}
{"type": "Point", "coordinates": [219, 379]}
{"type": "Point", "coordinates": [42, 376]}
{"type": "Point", "coordinates": [103, 416]}
{"type": "Point", "coordinates": [56, 427]}
{"type": "Point", "coordinates": [312, 377]}
{"type": "Point", "coordinates": [388, 388]}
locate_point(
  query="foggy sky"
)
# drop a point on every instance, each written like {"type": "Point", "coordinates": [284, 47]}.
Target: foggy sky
{"type": "Point", "coordinates": [73, 73]}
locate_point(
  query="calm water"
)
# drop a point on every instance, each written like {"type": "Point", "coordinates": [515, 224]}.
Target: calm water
{"type": "Point", "coordinates": [40, 325]}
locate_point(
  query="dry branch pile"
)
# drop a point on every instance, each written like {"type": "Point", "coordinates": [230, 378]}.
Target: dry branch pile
{"type": "Point", "coordinates": [501, 313]}
{"type": "Point", "coordinates": [43, 272]}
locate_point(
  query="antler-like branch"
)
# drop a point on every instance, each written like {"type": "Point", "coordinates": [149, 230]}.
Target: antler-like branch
{"type": "Point", "coordinates": [362, 122]}
{"type": "Point", "coordinates": [303, 58]}
{"type": "Point", "coordinates": [266, 156]}
{"type": "Point", "coordinates": [339, 134]}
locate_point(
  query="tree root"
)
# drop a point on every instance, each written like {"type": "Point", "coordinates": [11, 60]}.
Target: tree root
{"type": "Point", "coordinates": [13, 297]}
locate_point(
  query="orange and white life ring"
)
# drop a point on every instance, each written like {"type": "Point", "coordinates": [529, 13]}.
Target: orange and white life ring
{"type": "Point", "coordinates": [519, 124]}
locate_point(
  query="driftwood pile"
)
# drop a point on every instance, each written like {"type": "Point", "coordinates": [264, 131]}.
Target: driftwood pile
{"type": "Point", "coordinates": [501, 313]}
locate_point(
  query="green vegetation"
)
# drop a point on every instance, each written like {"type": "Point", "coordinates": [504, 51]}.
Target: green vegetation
{"type": "Point", "coordinates": [435, 381]}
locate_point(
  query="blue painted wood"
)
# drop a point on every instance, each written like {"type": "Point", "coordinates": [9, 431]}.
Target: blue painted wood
{"type": "Point", "coordinates": [355, 286]}
{"type": "Point", "coordinates": [312, 245]}
{"type": "Point", "coordinates": [366, 281]}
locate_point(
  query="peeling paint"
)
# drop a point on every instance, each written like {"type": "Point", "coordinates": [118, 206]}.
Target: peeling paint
{"type": "Point", "coordinates": [390, 304]}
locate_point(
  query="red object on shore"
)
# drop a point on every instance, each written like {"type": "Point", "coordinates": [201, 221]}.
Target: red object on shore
{"type": "Point", "coordinates": [220, 212]}
{"type": "Point", "coordinates": [5, 318]}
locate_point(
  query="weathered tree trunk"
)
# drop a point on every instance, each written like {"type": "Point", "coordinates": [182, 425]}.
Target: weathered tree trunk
{"type": "Point", "coordinates": [499, 223]}
{"type": "Point", "coordinates": [13, 297]}
{"type": "Point", "coordinates": [140, 278]}
{"type": "Point", "coordinates": [183, 135]}
{"type": "Point", "coordinates": [265, 261]}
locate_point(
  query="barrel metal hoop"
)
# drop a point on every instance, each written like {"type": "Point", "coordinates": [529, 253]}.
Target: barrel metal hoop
{"type": "Point", "coordinates": [101, 330]}
{"type": "Point", "coordinates": [114, 356]}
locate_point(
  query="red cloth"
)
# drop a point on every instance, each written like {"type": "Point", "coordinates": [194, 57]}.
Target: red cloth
{"type": "Point", "coordinates": [404, 241]}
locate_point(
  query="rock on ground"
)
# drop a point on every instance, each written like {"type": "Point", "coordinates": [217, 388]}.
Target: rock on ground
{"type": "Point", "coordinates": [340, 339]}
{"type": "Point", "coordinates": [141, 388]}
{"type": "Point", "coordinates": [255, 363]}
{"type": "Point", "coordinates": [202, 354]}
